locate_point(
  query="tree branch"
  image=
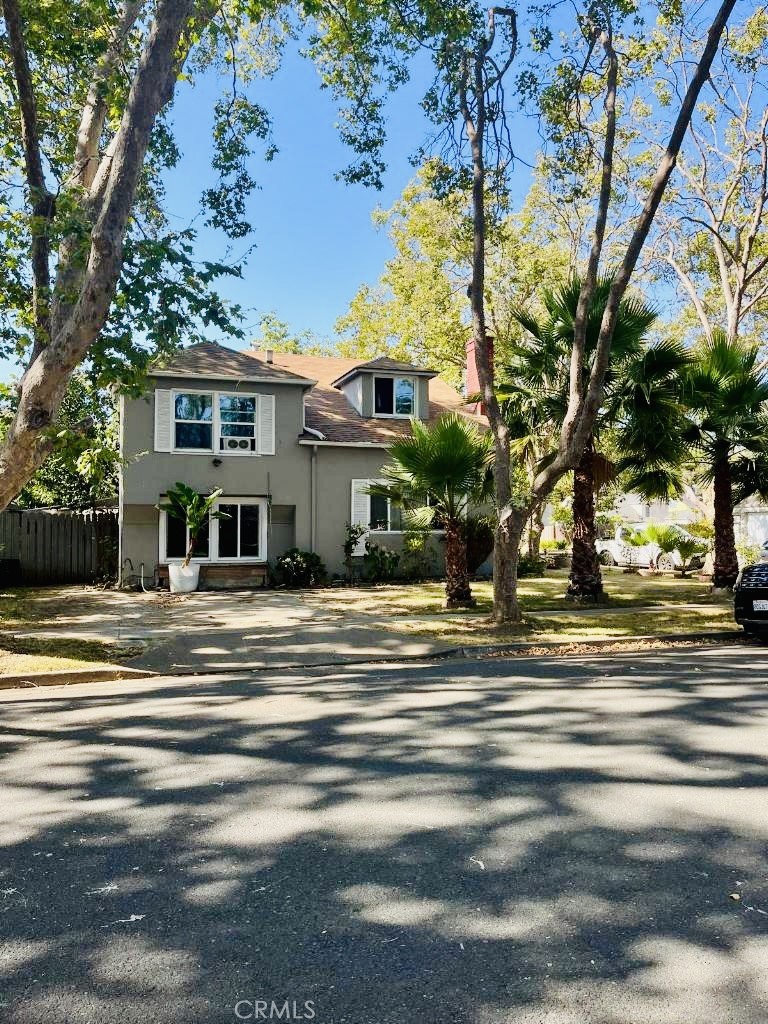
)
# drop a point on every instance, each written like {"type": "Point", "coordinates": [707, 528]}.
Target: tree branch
{"type": "Point", "coordinates": [582, 413]}
{"type": "Point", "coordinates": [42, 202]}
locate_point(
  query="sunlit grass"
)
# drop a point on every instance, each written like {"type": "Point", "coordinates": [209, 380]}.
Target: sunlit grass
{"type": "Point", "coordinates": [552, 628]}
{"type": "Point", "coordinates": [625, 590]}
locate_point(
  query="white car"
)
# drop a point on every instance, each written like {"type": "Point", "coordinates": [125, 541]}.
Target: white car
{"type": "Point", "coordinates": [617, 550]}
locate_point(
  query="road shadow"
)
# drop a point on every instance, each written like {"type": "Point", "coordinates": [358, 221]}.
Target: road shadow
{"type": "Point", "coordinates": [459, 843]}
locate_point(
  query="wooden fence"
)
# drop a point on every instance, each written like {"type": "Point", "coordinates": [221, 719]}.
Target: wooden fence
{"type": "Point", "coordinates": [59, 545]}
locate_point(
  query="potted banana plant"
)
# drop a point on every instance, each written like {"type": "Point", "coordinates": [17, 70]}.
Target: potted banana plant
{"type": "Point", "coordinates": [195, 510]}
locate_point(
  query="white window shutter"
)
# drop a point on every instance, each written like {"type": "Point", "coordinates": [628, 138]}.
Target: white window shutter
{"type": "Point", "coordinates": [163, 420]}
{"type": "Point", "coordinates": [361, 511]}
{"type": "Point", "coordinates": [266, 424]}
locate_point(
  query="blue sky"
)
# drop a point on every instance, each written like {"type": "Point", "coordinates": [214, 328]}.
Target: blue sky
{"type": "Point", "coordinates": [314, 240]}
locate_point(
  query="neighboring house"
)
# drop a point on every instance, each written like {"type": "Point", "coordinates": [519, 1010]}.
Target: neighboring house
{"type": "Point", "coordinates": [294, 442]}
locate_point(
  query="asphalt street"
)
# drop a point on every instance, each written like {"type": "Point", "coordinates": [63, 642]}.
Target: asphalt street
{"type": "Point", "coordinates": [537, 841]}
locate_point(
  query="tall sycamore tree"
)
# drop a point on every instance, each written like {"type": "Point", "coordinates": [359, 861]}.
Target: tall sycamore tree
{"type": "Point", "coordinates": [475, 75]}
{"type": "Point", "coordinates": [86, 91]}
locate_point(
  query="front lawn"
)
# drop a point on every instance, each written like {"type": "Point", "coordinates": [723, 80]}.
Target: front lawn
{"type": "Point", "coordinates": [624, 590]}
{"type": "Point", "coordinates": [637, 606]}
{"type": "Point", "coordinates": [31, 655]}
{"type": "Point", "coordinates": [30, 608]}
{"type": "Point", "coordinates": [468, 631]}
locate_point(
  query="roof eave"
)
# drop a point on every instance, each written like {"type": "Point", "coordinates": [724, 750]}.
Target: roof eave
{"type": "Point", "coordinates": [358, 371]}
{"type": "Point", "coordinates": [303, 381]}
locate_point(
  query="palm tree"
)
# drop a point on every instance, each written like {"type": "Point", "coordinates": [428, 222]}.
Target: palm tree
{"type": "Point", "coordinates": [436, 475]}
{"type": "Point", "coordinates": [720, 435]}
{"type": "Point", "coordinates": [535, 385]}
{"type": "Point", "coordinates": [726, 391]}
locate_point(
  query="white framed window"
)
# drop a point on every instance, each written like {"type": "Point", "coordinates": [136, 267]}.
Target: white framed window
{"type": "Point", "coordinates": [241, 537]}
{"type": "Point", "coordinates": [214, 422]}
{"type": "Point", "coordinates": [193, 421]}
{"type": "Point", "coordinates": [375, 512]}
{"type": "Point", "coordinates": [383, 516]}
{"type": "Point", "coordinates": [394, 396]}
{"type": "Point", "coordinates": [237, 424]}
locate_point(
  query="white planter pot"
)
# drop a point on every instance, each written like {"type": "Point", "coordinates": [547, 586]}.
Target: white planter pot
{"type": "Point", "coordinates": [183, 579]}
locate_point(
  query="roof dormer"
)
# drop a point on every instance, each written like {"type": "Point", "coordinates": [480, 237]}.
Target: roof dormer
{"type": "Point", "coordinates": [387, 389]}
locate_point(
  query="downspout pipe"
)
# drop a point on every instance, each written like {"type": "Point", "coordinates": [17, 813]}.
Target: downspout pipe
{"type": "Point", "coordinates": [313, 500]}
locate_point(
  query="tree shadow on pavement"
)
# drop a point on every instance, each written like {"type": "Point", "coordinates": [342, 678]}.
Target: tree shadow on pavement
{"type": "Point", "coordinates": [462, 843]}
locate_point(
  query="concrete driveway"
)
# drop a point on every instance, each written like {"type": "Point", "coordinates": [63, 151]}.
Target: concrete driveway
{"type": "Point", "coordinates": [565, 842]}
{"type": "Point", "coordinates": [221, 631]}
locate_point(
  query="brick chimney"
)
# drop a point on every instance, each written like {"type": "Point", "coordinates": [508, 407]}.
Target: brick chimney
{"type": "Point", "coordinates": [472, 385]}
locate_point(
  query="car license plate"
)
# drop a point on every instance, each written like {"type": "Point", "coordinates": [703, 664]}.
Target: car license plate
{"type": "Point", "coordinates": [760, 606]}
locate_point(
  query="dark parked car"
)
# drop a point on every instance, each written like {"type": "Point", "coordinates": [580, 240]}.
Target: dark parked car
{"type": "Point", "coordinates": [750, 599]}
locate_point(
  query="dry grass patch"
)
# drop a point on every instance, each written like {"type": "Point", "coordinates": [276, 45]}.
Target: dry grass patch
{"type": "Point", "coordinates": [31, 655]}
{"type": "Point", "coordinates": [553, 628]}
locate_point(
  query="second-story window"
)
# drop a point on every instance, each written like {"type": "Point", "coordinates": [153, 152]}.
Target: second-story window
{"type": "Point", "coordinates": [237, 423]}
{"type": "Point", "coordinates": [193, 426]}
{"type": "Point", "coordinates": [394, 396]}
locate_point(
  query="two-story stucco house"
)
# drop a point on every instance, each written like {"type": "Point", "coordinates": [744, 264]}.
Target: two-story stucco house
{"type": "Point", "coordinates": [292, 440]}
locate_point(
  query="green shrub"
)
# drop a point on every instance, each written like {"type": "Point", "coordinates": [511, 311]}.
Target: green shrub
{"type": "Point", "coordinates": [528, 566]}
{"type": "Point", "coordinates": [748, 554]}
{"type": "Point", "coordinates": [379, 563]}
{"type": "Point", "coordinates": [554, 545]}
{"type": "Point", "coordinates": [419, 555]}
{"type": "Point", "coordinates": [296, 568]}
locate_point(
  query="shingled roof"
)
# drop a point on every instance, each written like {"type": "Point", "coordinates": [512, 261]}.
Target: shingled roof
{"type": "Point", "coordinates": [209, 359]}
{"type": "Point", "coordinates": [329, 411]}
{"type": "Point", "coordinates": [388, 366]}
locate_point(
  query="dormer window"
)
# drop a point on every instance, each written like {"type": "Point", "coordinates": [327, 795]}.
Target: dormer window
{"type": "Point", "coordinates": [394, 396]}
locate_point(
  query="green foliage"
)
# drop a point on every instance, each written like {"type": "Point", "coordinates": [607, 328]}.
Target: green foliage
{"type": "Point", "coordinates": [725, 391]}
{"type": "Point", "coordinates": [418, 310]}
{"type": "Point", "coordinates": [353, 533]}
{"type": "Point", "coordinates": [669, 539]}
{"type": "Point", "coordinates": [438, 472]}
{"type": "Point", "coordinates": [704, 530]}
{"type": "Point", "coordinates": [554, 545]}
{"type": "Point", "coordinates": [528, 566]}
{"type": "Point", "coordinates": [195, 510]}
{"type": "Point", "coordinates": [379, 562]}
{"type": "Point", "coordinates": [82, 470]}
{"type": "Point", "coordinates": [297, 568]}
{"type": "Point", "coordinates": [748, 554]}
{"type": "Point", "coordinates": [276, 334]}
{"type": "Point", "coordinates": [418, 558]}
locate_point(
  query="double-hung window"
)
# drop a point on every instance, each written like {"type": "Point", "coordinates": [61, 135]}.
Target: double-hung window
{"type": "Point", "coordinates": [237, 424]}
{"type": "Point", "coordinates": [218, 422]}
{"type": "Point", "coordinates": [384, 515]}
{"type": "Point", "coordinates": [394, 396]}
{"type": "Point", "coordinates": [193, 421]}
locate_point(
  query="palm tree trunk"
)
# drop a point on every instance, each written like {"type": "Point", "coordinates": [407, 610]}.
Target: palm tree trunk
{"type": "Point", "coordinates": [458, 593]}
{"type": "Point", "coordinates": [726, 567]}
{"type": "Point", "coordinates": [585, 581]}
